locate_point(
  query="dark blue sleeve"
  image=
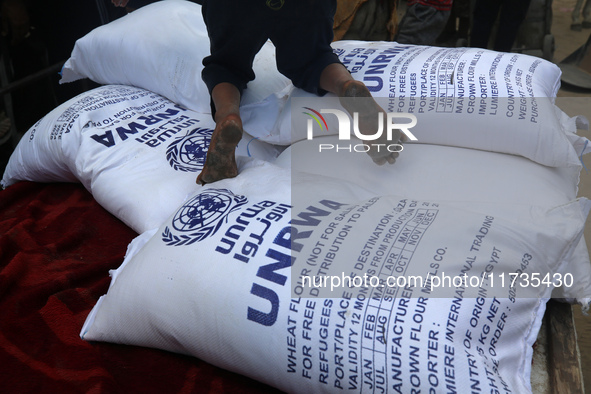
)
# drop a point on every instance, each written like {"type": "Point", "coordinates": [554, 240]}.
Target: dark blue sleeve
{"type": "Point", "coordinates": [140, 3]}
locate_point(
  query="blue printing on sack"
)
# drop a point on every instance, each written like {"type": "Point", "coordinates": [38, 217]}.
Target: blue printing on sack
{"type": "Point", "coordinates": [248, 146]}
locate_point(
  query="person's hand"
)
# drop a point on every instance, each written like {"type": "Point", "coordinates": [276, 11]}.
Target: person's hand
{"type": "Point", "coordinates": [120, 3]}
{"type": "Point", "coordinates": [15, 21]}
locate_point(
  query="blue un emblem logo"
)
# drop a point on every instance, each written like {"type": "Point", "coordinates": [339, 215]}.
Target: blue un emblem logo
{"type": "Point", "coordinates": [188, 153]}
{"type": "Point", "coordinates": [201, 217]}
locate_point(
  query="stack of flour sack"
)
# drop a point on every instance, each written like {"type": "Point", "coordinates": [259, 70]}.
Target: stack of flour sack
{"type": "Point", "coordinates": [314, 270]}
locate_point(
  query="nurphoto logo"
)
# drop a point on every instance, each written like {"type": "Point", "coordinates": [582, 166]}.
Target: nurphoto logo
{"type": "Point", "coordinates": [381, 141]}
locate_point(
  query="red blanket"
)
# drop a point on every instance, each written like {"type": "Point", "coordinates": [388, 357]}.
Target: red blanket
{"type": "Point", "coordinates": [56, 248]}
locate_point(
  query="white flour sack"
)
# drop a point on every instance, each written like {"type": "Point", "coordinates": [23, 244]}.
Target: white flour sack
{"type": "Point", "coordinates": [160, 47]}
{"type": "Point", "coordinates": [464, 97]}
{"type": "Point", "coordinates": [137, 152]}
{"type": "Point", "coordinates": [460, 174]}
{"type": "Point", "coordinates": [215, 281]}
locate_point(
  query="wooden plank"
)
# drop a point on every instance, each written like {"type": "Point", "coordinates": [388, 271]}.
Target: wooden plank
{"type": "Point", "coordinates": [564, 362]}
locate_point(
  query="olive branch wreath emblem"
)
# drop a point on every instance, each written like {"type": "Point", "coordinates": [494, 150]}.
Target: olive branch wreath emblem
{"type": "Point", "coordinates": [191, 145]}
{"type": "Point", "coordinates": [201, 217]}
